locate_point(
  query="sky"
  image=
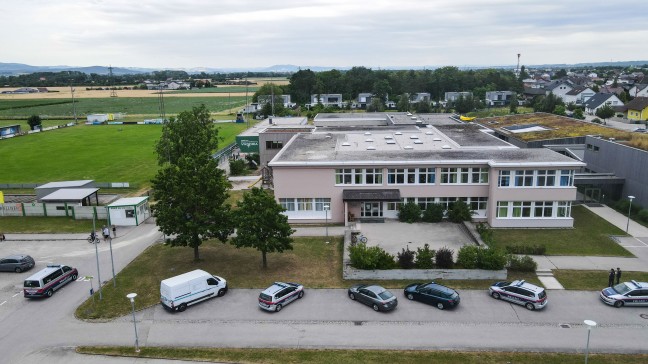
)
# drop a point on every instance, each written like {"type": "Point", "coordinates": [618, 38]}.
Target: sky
{"type": "Point", "coordinates": [329, 33]}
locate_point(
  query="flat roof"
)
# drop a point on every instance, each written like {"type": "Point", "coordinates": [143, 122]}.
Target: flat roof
{"type": "Point", "coordinates": [128, 201]}
{"type": "Point", "coordinates": [66, 184]}
{"type": "Point", "coordinates": [276, 122]}
{"type": "Point", "coordinates": [70, 194]}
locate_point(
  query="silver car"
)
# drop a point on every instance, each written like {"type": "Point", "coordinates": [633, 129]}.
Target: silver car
{"type": "Point", "coordinates": [16, 263]}
{"type": "Point", "coordinates": [631, 293]}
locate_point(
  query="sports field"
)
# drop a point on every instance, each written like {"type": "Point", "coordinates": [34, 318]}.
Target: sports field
{"type": "Point", "coordinates": [104, 153]}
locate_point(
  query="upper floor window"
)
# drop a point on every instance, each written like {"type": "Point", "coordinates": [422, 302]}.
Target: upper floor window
{"type": "Point", "coordinates": [358, 176]}
{"type": "Point", "coordinates": [464, 175]}
{"type": "Point", "coordinates": [410, 176]}
{"type": "Point", "coordinates": [536, 178]}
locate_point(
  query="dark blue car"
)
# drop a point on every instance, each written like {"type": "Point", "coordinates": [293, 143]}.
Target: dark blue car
{"type": "Point", "coordinates": [432, 294]}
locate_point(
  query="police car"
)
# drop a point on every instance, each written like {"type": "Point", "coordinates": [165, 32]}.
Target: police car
{"type": "Point", "coordinates": [520, 292]}
{"type": "Point", "coordinates": [631, 293]}
{"type": "Point", "coordinates": [275, 297]}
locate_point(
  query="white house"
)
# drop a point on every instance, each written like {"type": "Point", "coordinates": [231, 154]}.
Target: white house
{"type": "Point", "coordinates": [578, 95]}
{"type": "Point", "coordinates": [327, 100]}
{"type": "Point", "coordinates": [639, 90]}
{"type": "Point", "coordinates": [599, 100]}
{"type": "Point", "coordinates": [559, 89]}
{"type": "Point", "coordinates": [129, 211]}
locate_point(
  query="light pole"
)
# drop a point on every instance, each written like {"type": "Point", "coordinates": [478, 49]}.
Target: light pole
{"type": "Point", "coordinates": [589, 324]}
{"type": "Point", "coordinates": [629, 210]}
{"type": "Point", "coordinates": [131, 297]}
{"type": "Point", "coordinates": [326, 210]}
{"type": "Point", "coordinates": [94, 229]}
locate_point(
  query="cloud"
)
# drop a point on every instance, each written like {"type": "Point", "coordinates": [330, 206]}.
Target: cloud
{"type": "Point", "coordinates": [194, 33]}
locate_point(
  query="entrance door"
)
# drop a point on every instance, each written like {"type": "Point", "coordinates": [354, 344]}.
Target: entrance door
{"type": "Point", "coordinates": [371, 209]}
{"type": "Point", "coordinates": [592, 194]}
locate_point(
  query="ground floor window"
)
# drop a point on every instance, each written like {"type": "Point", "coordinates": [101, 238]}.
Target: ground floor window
{"type": "Point", "coordinates": [305, 204]}
{"type": "Point", "coordinates": [533, 209]}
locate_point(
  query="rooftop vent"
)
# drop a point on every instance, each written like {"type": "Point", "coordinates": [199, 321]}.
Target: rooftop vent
{"type": "Point", "coordinates": [346, 144]}
{"type": "Point", "coordinates": [446, 147]}
{"type": "Point", "coordinates": [371, 147]}
{"type": "Point", "coordinates": [369, 140]}
{"type": "Point", "coordinates": [418, 142]}
{"type": "Point", "coordinates": [413, 136]}
{"type": "Point", "coordinates": [389, 137]}
{"type": "Point", "coordinates": [368, 133]}
{"type": "Point", "coordinates": [429, 133]}
{"type": "Point", "coordinates": [413, 118]}
{"type": "Point", "coordinates": [390, 142]}
{"type": "Point", "coordinates": [398, 133]}
{"type": "Point", "coordinates": [437, 139]}
{"type": "Point", "coordinates": [408, 147]}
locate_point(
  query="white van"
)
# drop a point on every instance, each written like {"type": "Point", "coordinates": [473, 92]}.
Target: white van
{"type": "Point", "coordinates": [176, 293]}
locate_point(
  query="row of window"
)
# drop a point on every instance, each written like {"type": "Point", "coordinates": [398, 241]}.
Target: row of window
{"type": "Point", "coordinates": [410, 176]}
{"type": "Point", "coordinates": [536, 178]}
{"type": "Point", "coordinates": [475, 203]}
{"type": "Point", "coordinates": [305, 204]}
{"type": "Point", "coordinates": [533, 209]}
{"type": "Point", "coordinates": [464, 175]}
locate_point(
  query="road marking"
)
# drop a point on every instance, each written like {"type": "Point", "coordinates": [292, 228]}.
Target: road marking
{"type": "Point", "coordinates": [3, 303]}
{"type": "Point", "coordinates": [15, 295]}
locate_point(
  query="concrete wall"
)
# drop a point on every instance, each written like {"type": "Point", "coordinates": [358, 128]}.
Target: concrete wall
{"type": "Point", "coordinates": [625, 162]}
{"type": "Point", "coordinates": [266, 155]}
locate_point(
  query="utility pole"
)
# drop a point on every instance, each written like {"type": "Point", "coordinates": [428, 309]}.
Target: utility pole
{"type": "Point", "coordinates": [246, 100]}
{"type": "Point", "coordinates": [73, 104]}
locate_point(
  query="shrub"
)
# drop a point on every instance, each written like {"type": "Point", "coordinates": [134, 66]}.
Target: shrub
{"type": "Point", "coordinates": [522, 264]}
{"type": "Point", "coordinates": [467, 256]}
{"type": "Point", "coordinates": [624, 205]}
{"type": "Point", "coordinates": [526, 249]}
{"type": "Point", "coordinates": [433, 213]}
{"type": "Point", "coordinates": [253, 160]}
{"type": "Point", "coordinates": [364, 257]}
{"type": "Point", "coordinates": [237, 167]}
{"type": "Point", "coordinates": [424, 257]}
{"type": "Point", "coordinates": [406, 259]}
{"type": "Point", "coordinates": [409, 213]}
{"type": "Point", "coordinates": [643, 215]}
{"type": "Point", "coordinates": [459, 212]}
{"type": "Point", "coordinates": [597, 121]}
{"type": "Point", "coordinates": [485, 233]}
{"type": "Point", "coordinates": [444, 259]}
{"type": "Point", "coordinates": [34, 121]}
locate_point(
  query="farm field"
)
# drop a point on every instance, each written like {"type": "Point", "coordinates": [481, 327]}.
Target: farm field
{"type": "Point", "coordinates": [130, 105]}
{"type": "Point", "coordinates": [104, 153]}
{"type": "Point", "coordinates": [218, 90]}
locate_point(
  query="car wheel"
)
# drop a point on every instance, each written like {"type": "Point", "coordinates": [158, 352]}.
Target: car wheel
{"type": "Point", "coordinates": [49, 293]}
{"type": "Point", "coordinates": [74, 277]}
{"type": "Point", "coordinates": [352, 296]}
{"type": "Point", "coordinates": [410, 296]}
{"type": "Point", "coordinates": [182, 307]}
{"type": "Point", "coordinates": [375, 307]}
{"type": "Point", "coordinates": [618, 304]}
{"type": "Point", "coordinates": [221, 292]}
{"type": "Point", "coordinates": [278, 308]}
{"type": "Point", "coordinates": [301, 294]}
{"type": "Point", "coordinates": [18, 270]}
{"type": "Point", "coordinates": [440, 306]}
{"type": "Point", "coordinates": [496, 295]}
{"type": "Point", "coordinates": [529, 306]}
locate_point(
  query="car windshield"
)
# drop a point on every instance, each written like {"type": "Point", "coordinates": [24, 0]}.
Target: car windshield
{"type": "Point", "coordinates": [385, 295]}
{"type": "Point", "coordinates": [542, 294]}
{"type": "Point", "coordinates": [32, 284]}
{"type": "Point", "coordinates": [621, 288]}
{"type": "Point", "coordinates": [265, 297]}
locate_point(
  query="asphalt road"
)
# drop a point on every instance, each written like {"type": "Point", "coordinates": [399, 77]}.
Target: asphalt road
{"type": "Point", "coordinates": [35, 330]}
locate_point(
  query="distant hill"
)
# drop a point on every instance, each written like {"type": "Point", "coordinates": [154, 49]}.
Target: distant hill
{"type": "Point", "coordinates": [11, 69]}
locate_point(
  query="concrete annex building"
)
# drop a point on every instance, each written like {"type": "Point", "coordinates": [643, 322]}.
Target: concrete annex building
{"type": "Point", "coordinates": [365, 171]}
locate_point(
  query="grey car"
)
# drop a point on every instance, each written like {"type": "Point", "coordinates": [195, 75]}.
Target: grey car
{"type": "Point", "coordinates": [16, 263]}
{"type": "Point", "coordinates": [374, 296]}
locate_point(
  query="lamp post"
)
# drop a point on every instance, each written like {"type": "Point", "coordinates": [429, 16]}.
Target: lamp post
{"type": "Point", "coordinates": [94, 229]}
{"type": "Point", "coordinates": [589, 324]}
{"type": "Point", "coordinates": [131, 297]}
{"type": "Point", "coordinates": [326, 210]}
{"type": "Point", "coordinates": [629, 210]}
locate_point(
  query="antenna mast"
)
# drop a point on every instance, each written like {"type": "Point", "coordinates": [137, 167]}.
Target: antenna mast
{"type": "Point", "coordinates": [113, 92]}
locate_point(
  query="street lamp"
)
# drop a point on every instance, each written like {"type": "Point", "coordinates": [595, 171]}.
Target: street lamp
{"type": "Point", "coordinates": [326, 209]}
{"type": "Point", "coordinates": [131, 297]}
{"type": "Point", "coordinates": [589, 324]}
{"type": "Point", "coordinates": [94, 229]}
{"type": "Point", "coordinates": [629, 210]}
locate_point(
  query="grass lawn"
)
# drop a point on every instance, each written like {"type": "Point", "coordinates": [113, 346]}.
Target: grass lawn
{"type": "Point", "coordinates": [284, 356]}
{"type": "Point", "coordinates": [592, 280]}
{"type": "Point", "coordinates": [498, 111]}
{"type": "Point", "coordinates": [130, 105]}
{"type": "Point", "coordinates": [104, 153]}
{"type": "Point", "coordinates": [218, 90]}
{"type": "Point", "coordinates": [46, 225]}
{"type": "Point", "coordinates": [589, 237]}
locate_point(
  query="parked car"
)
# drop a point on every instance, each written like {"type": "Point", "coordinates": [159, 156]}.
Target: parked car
{"type": "Point", "coordinates": [16, 263]}
{"type": "Point", "coordinates": [50, 279]}
{"type": "Point", "coordinates": [432, 294]}
{"type": "Point", "coordinates": [520, 292]}
{"type": "Point", "coordinates": [275, 297]}
{"type": "Point", "coordinates": [375, 296]}
{"type": "Point", "coordinates": [631, 293]}
{"type": "Point", "coordinates": [176, 293]}
{"type": "Point", "coordinates": [640, 130]}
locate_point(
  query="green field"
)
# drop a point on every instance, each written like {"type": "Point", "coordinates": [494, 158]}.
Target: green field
{"type": "Point", "coordinates": [218, 90]}
{"type": "Point", "coordinates": [104, 153]}
{"type": "Point", "coordinates": [130, 105]}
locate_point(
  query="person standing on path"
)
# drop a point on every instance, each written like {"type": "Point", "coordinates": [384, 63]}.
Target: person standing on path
{"type": "Point", "coordinates": [114, 229]}
{"type": "Point", "coordinates": [611, 278]}
{"type": "Point", "coordinates": [618, 275]}
{"type": "Point", "coordinates": [2, 237]}
{"type": "Point", "coordinates": [106, 233]}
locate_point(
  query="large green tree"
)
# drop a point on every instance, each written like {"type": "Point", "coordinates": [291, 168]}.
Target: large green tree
{"type": "Point", "coordinates": [189, 189]}
{"type": "Point", "coordinates": [605, 112]}
{"type": "Point", "coordinates": [260, 224]}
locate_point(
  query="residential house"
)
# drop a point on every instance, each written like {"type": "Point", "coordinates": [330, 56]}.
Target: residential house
{"type": "Point", "coordinates": [639, 90]}
{"type": "Point", "coordinates": [498, 98]}
{"type": "Point", "coordinates": [420, 97]}
{"type": "Point", "coordinates": [599, 100]}
{"type": "Point", "coordinates": [362, 101]}
{"type": "Point", "coordinates": [452, 96]}
{"type": "Point", "coordinates": [608, 89]}
{"type": "Point", "coordinates": [327, 100]}
{"type": "Point", "coordinates": [578, 95]}
{"type": "Point", "coordinates": [559, 88]}
{"type": "Point", "coordinates": [285, 100]}
{"type": "Point", "coordinates": [637, 109]}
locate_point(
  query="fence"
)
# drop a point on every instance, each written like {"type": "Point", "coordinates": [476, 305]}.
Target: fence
{"type": "Point", "coordinates": [8, 186]}
{"type": "Point", "coordinates": [53, 209]}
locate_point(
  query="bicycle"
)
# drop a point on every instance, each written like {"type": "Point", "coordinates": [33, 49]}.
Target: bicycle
{"type": "Point", "coordinates": [358, 237]}
{"type": "Point", "coordinates": [96, 240]}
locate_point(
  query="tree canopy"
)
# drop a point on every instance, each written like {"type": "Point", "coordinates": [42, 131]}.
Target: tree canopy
{"type": "Point", "coordinates": [260, 224]}
{"type": "Point", "coordinates": [605, 112]}
{"type": "Point", "coordinates": [189, 189]}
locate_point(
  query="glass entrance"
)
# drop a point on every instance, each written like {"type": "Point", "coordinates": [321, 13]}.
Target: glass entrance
{"type": "Point", "coordinates": [371, 209]}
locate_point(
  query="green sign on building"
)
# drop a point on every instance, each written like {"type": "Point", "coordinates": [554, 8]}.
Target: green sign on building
{"type": "Point", "coordinates": [248, 144]}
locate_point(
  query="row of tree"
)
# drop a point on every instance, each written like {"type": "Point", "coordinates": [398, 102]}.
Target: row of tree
{"type": "Point", "coordinates": [191, 192]}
